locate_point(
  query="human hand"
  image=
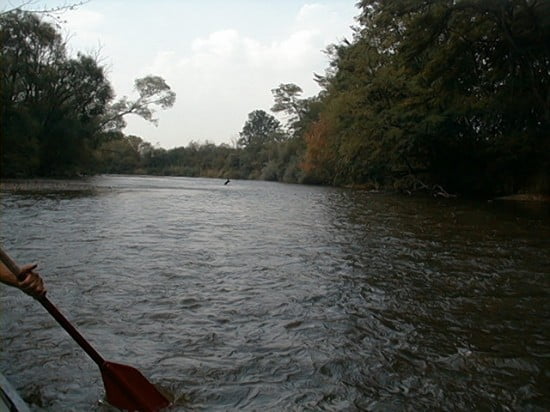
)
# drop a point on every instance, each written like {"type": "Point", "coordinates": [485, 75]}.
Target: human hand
{"type": "Point", "coordinates": [31, 283]}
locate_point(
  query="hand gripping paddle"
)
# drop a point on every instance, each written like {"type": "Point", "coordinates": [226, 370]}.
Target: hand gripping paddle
{"type": "Point", "coordinates": [126, 388]}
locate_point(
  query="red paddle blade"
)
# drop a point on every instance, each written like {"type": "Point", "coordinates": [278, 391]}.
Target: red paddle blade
{"type": "Point", "coordinates": [128, 389]}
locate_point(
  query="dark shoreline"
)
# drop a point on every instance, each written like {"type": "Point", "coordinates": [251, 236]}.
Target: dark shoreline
{"type": "Point", "coordinates": [85, 184]}
{"type": "Point", "coordinates": [47, 185]}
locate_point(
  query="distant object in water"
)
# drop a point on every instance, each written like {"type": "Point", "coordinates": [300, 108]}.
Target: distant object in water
{"type": "Point", "coordinates": [227, 181]}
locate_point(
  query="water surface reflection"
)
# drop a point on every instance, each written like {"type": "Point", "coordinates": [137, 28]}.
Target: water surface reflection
{"type": "Point", "coordinates": [260, 295]}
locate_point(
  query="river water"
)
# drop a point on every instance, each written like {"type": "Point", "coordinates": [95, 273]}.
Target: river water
{"type": "Point", "coordinates": [257, 295]}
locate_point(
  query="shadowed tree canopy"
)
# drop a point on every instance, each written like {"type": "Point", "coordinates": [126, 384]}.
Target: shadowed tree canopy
{"type": "Point", "coordinates": [55, 108]}
{"type": "Point", "coordinates": [455, 93]}
{"type": "Point", "coordinates": [430, 94]}
{"type": "Point", "coordinates": [51, 103]}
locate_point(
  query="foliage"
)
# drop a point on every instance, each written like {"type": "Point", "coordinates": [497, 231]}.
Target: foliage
{"type": "Point", "coordinates": [56, 110]}
{"type": "Point", "coordinates": [50, 103]}
{"type": "Point", "coordinates": [35, 7]}
{"type": "Point", "coordinates": [260, 129]}
{"type": "Point", "coordinates": [152, 90]}
{"type": "Point", "coordinates": [287, 101]}
{"type": "Point", "coordinates": [438, 93]}
{"type": "Point", "coordinates": [454, 92]}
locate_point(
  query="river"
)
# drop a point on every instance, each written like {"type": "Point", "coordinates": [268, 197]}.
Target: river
{"type": "Point", "coordinates": [268, 296]}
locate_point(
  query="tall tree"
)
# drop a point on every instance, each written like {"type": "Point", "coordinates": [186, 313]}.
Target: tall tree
{"type": "Point", "coordinates": [50, 103]}
{"type": "Point", "coordinates": [456, 92]}
{"type": "Point", "coordinates": [56, 110]}
{"type": "Point", "coordinates": [287, 101]}
{"type": "Point", "coordinates": [260, 128]}
{"type": "Point", "coordinates": [152, 91]}
{"type": "Point", "coordinates": [300, 112]}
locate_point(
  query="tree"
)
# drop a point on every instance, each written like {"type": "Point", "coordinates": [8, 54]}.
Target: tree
{"type": "Point", "coordinates": [287, 101]}
{"type": "Point", "coordinates": [34, 7]}
{"type": "Point", "coordinates": [452, 92]}
{"type": "Point", "coordinates": [318, 161]}
{"type": "Point", "coordinates": [152, 90]}
{"type": "Point", "coordinates": [119, 156]}
{"type": "Point", "coordinates": [259, 129]}
{"type": "Point", "coordinates": [56, 110]}
{"type": "Point", "coordinates": [301, 113]}
{"type": "Point", "coordinates": [482, 75]}
{"type": "Point", "coordinates": [50, 103]}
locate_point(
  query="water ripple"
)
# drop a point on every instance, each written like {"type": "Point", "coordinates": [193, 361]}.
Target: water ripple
{"type": "Point", "coordinates": [281, 297]}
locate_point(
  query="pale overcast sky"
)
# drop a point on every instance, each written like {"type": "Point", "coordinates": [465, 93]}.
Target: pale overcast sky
{"type": "Point", "coordinates": [221, 57]}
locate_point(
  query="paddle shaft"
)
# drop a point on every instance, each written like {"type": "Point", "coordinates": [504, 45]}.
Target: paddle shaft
{"type": "Point", "coordinates": [50, 307]}
{"type": "Point", "coordinates": [125, 387]}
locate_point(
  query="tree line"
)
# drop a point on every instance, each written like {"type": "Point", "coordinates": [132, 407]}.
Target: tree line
{"type": "Point", "coordinates": [58, 112]}
{"type": "Point", "coordinates": [443, 94]}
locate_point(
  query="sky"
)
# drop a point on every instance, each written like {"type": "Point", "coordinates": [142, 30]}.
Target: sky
{"type": "Point", "coordinates": [221, 58]}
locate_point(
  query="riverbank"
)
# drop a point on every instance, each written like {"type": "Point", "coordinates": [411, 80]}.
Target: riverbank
{"type": "Point", "coordinates": [526, 197]}
{"type": "Point", "coordinates": [86, 184]}
{"type": "Point", "coordinates": [46, 185]}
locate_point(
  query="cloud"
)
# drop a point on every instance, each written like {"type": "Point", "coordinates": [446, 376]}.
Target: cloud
{"type": "Point", "coordinates": [227, 75]}
{"type": "Point", "coordinates": [219, 74]}
{"type": "Point", "coordinates": [221, 43]}
{"type": "Point", "coordinates": [227, 56]}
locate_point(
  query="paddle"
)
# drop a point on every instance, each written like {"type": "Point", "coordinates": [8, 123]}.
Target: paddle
{"type": "Point", "coordinates": [125, 387]}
